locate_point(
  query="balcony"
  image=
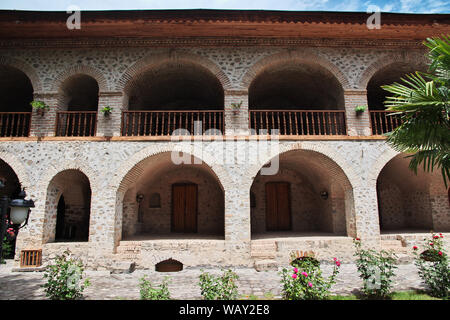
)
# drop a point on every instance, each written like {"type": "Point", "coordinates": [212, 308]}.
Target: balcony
{"type": "Point", "coordinates": [299, 122]}
{"type": "Point", "coordinates": [15, 124]}
{"type": "Point", "coordinates": [164, 123]}
{"type": "Point", "coordinates": [383, 122]}
{"type": "Point", "coordinates": [76, 123]}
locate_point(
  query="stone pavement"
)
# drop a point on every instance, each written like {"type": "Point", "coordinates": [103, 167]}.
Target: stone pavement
{"type": "Point", "coordinates": [183, 285]}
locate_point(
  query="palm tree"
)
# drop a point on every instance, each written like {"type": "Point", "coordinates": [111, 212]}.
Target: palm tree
{"type": "Point", "coordinates": [422, 101]}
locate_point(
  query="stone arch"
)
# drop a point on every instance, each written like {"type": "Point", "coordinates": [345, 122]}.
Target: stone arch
{"type": "Point", "coordinates": [387, 60]}
{"type": "Point", "coordinates": [301, 57]}
{"type": "Point", "coordinates": [25, 68]}
{"type": "Point", "coordinates": [17, 166]}
{"type": "Point", "coordinates": [80, 69]}
{"type": "Point", "coordinates": [154, 60]}
{"type": "Point", "coordinates": [381, 161]}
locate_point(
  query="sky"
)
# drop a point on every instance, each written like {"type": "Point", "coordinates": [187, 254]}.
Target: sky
{"type": "Point", "coordinates": [405, 6]}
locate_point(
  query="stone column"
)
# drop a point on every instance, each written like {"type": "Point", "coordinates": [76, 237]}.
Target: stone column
{"type": "Point", "coordinates": [44, 125]}
{"type": "Point", "coordinates": [108, 126]}
{"type": "Point", "coordinates": [236, 124]}
{"type": "Point", "coordinates": [366, 215]}
{"type": "Point", "coordinates": [357, 125]}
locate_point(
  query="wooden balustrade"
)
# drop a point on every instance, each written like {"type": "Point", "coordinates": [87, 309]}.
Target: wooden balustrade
{"type": "Point", "coordinates": [164, 123]}
{"type": "Point", "coordinates": [298, 122]}
{"type": "Point", "coordinates": [383, 122]}
{"type": "Point", "coordinates": [76, 123]}
{"type": "Point", "coordinates": [15, 124]}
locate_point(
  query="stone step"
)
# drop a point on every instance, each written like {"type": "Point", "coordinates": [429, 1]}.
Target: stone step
{"type": "Point", "coordinates": [391, 243]}
{"type": "Point", "coordinates": [128, 256]}
{"type": "Point", "coordinates": [121, 249]}
{"type": "Point", "coordinates": [266, 265]}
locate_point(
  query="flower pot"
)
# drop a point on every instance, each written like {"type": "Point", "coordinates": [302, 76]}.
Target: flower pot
{"type": "Point", "coordinates": [106, 114]}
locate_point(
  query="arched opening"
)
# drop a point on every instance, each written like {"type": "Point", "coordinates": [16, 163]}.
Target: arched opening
{"type": "Point", "coordinates": [78, 103]}
{"type": "Point", "coordinates": [291, 202]}
{"type": "Point", "coordinates": [11, 189]}
{"type": "Point", "coordinates": [191, 201]}
{"type": "Point", "coordinates": [169, 265]}
{"type": "Point", "coordinates": [376, 96]}
{"type": "Point", "coordinates": [68, 207]}
{"type": "Point", "coordinates": [297, 99]}
{"type": "Point", "coordinates": [408, 202]}
{"type": "Point", "coordinates": [16, 94]}
{"type": "Point", "coordinates": [173, 96]}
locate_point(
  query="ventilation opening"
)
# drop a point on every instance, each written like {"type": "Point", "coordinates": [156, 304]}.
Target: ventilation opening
{"type": "Point", "coordinates": [169, 265]}
{"type": "Point", "coordinates": [30, 258]}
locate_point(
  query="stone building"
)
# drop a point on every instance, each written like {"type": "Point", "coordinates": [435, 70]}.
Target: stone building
{"type": "Point", "coordinates": [111, 188]}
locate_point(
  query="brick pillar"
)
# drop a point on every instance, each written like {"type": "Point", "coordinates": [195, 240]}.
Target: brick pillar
{"type": "Point", "coordinates": [366, 215]}
{"type": "Point", "coordinates": [357, 125]}
{"type": "Point", "coordinates": [44, 125]}
{"type": "Point", "coordinates": [236, 124]}
{"type": "Point", "coordinates": [109, 126]}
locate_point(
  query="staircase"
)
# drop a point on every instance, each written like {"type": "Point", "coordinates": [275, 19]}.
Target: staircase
{"type": "Point", "coordinates": [397, 245]}
{"type": "Point", "coordinates": [263, 253]}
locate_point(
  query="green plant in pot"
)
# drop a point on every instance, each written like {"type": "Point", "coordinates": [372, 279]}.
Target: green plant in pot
{"type": "Point", "coordinates": [39, 106]}
{"type": "Point", "coordinates": [360, 109]}
{"type": "Point", "coordinates": [236, 107]}
{"type": "Point", "coordinates": [107, 111]}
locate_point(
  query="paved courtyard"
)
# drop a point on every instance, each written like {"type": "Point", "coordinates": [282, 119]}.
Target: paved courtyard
{"type": "Point", "coordinates": [183, 285]}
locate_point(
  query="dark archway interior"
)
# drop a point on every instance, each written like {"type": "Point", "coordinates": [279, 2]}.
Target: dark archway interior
{"type": "Point", "coordinates": [174, 86]}
{"type": "Point", "coordinates": [169, 265]}
{"type": "Point", "coordinates": [80, 93]}
{"type": "Point", "coordinates": [388, 75]}
{"type": "Point", "coordinates": [16, 91]}
{"type": "Point", "coordinates": [296, 86]}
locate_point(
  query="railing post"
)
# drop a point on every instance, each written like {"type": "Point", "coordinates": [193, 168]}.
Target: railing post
{"type": "Point", "coordinates": [108, 126]}
{"type": "Point", "coordinates": [357, 125]}
{"type": "Point", "coordinates": [44, 125]}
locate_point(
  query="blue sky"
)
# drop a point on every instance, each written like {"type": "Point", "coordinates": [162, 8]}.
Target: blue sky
{"type": "Point", "coordinates": [406, 6]}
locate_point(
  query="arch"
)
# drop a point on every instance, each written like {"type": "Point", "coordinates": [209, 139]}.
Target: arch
{"type": "Point", "coordinates": [387, 155]}
{"type": "Point", "coordinates": [385, 61]}
{"type": "Point", "coordinates": [154, 60]}
{"type": "Point", "coordinates": [17, 166]}
{"type": "Point", "coordinates": [299, 57]}
{"type": "Point", "coordinates": [80, 69]}
{"type": "Point", "coordinates": [25, 68]}
{"type": "Point", "coordinates": [79, 92]}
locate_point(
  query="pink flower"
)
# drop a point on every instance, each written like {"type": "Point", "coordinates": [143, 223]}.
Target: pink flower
{"type": "Point", "coordinates": [431, 244]}
{"type": "Point", "coordinates": [305, 274]}
{"type": "Point", "coordinates": [294, 276]}
{"type": "Point", "coordinates": [338, 263]}
{"type": "Point", "coordinates": [310, 284]}
{"type": "Point", "coordinates": [436, 237]}
{"type": "Point", "coordinates": [441, 235]}
{"type": "Point", "coordinates": [295, 270]}
{"type": "Point", "coordinates": [357, 239]}
{"type": "Point", "coordinates": [440, 253]}
{"type": "Point", "coordinates": [415, 247]}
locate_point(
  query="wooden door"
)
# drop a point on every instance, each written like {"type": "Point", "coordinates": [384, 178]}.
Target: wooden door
{"type": "Point", "coordinates": [184, 208]}
{"type": "Point", "coordinates": [278, 209]}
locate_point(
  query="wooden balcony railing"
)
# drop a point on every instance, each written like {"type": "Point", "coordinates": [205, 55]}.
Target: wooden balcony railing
{"type": "Point", "coordinates": [76, 123]}
{"type": "Point", "coordinates": [383, 122]}
{"type": "Point", "coordinates": [15, 124]}
{"type": "Point", "coordinates": [299, 122]}
{"type": "Point", "coordinates": [164, 123]}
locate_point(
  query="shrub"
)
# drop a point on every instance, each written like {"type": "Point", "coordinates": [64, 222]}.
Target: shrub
{"type": "Point", "coordinates": [432, 265]}
{"type": "Point", "coordinates": [148, 292]}
{"type": "Point", "coordinates": [64, 278]}
{"type": "Point", "coordinates": [222, 287]}
{"type": "Point", "coordinates": [8, 242]}
{"type": "Point", "coordinates": [304, 280]}
{"type": "Point", "coordinates": [376, 269]}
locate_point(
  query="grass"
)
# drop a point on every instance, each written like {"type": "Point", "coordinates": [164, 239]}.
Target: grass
{"type": "Point", "coordinates": [400, 295]}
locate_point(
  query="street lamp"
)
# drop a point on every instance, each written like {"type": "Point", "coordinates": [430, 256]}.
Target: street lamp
{"type": "Point", "coordinates": [19, 213]}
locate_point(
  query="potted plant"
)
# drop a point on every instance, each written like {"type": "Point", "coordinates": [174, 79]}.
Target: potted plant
{"type": "Point", "coordinates": [236, 107]}
{"type": "Point", "coordinates": [39, 106]}
{"type": "Point", "coordinates": [107, 111]}
{"type": "Point", "coordinates": [360, 109]}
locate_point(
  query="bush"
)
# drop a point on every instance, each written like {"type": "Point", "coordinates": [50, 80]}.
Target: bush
{"type": "Point", "coordinates": [8, 243]}
{"type": "Point", "coordinates": [221, 287]}
{"type": "Point", "coordinates": [433, 266]}
{"type": "Point", "coordinates": [376, 269]}
{"type": "Point", "coordinates": [148, 292]}
{"type": "Point", "coordinates": [64, 278]}
{"type": "Point", "coordinates": [304, 281]}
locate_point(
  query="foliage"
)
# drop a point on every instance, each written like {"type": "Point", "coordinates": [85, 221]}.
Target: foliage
{"type": "Point", "coordinates": [423, 102]}
{"type": "Point", "coordinates": [64, 278]}
{"type": "Point", "coordinates": [304, 281]}
{"type": "Point", "coordinates": [236, 106]}
{"type": "Point", "coordinates": [148, 292]}
{"type": "Point", "coordinates": [360, 109]}
{"type": "Point", "coordinates": [222, 287]}
{"type": "Point", "coordinates": [8, 242]}
{"type": "Point", "coordinates": [433, 266]}
{"type": "Point", "coordinates": [36, 104]}
{"type": "Point", "coordinates": [107, 110]}
{"type": "Point", "coordinates": [376, 269]}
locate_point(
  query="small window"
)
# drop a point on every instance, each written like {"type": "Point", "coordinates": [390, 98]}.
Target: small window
{"type": "Point", "coordinates": [155, 200]}
{"type": "Point", "coordinates": [169, 265]}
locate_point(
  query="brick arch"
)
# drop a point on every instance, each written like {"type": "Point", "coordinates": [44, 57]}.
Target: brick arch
{"type": "Point", "coordinates": [25, 68]}
{"type": "Point", "coordinates": [385, 61]}
{"type": "Point", "coordinates": [155, 60]}
{"type": "Point", "coordinates": [80, 69]}
{"type": "Point", "coordinates": [300, 57]}
{"type": "Point", "coordinates": [18, 168]}
{"type": "Point", "coordinates": [379, 164]}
